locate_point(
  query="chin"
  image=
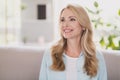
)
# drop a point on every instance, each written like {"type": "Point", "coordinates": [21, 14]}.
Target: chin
{"type": "Point", "coordinates": [67, 37]}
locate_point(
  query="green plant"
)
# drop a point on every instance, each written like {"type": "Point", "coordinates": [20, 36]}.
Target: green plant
{"type": "Point", "coordinates": [23, 6]}
{"type": "Point", "coordinates": [98, 22]}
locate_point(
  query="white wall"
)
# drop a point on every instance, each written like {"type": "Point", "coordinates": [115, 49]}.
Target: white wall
{"type": "Point", "coordinates": [32, 28]}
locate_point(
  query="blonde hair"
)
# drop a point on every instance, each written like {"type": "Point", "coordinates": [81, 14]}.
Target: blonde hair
{"type": "Point", "coordinates": [87, 44]}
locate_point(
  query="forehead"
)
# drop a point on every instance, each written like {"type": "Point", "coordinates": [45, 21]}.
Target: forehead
{"type": "Point", "coordinates": [67, 12]}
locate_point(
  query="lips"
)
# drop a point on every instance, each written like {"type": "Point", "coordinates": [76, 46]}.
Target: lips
{"type": "Point", "coordinates": [68, 30]}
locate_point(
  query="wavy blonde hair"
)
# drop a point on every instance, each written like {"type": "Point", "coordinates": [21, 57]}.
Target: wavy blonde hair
{"type": "Point", "coordinates": [87, 44]}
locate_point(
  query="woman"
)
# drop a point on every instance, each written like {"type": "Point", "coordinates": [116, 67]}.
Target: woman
{"type": "Point", "coordinates": [74, 56]}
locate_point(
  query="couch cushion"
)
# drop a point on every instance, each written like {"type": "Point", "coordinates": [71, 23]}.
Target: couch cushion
{"type": "Point", "coordinates": [20, 63]}
{"type": "Point", "coordinates": [23, 63]}
{"type": "Point", "coordinates": [112, 59]}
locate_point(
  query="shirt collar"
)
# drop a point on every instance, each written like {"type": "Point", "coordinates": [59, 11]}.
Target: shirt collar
{"type": "Point", "coordinates": [81, 54]}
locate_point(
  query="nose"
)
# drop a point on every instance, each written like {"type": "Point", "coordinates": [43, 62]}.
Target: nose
{"type": "Point", "coordinates": [65, 24]}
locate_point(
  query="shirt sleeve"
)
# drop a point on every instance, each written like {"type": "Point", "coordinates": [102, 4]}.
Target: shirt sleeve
{"type": "Point", "coordinates": [43, 70]}
{"type": "Point", "coordinates": [102, 67]}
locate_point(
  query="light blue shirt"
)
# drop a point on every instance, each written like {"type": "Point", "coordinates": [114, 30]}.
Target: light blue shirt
{"type": "Point", "coordinates": [47, 74]}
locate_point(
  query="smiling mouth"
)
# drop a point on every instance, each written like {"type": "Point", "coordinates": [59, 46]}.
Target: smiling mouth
{"type": "Point", "coordinates": [68, 30]}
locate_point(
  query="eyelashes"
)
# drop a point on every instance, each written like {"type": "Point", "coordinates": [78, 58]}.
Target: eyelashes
{"type": "Point", "coordinates": [71, 19]}
{"type": "Point", "coordinates": [62, 20]}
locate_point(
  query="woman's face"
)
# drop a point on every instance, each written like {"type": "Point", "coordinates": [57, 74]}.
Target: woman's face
{"type": "Point", "coordinates": [70, 27]}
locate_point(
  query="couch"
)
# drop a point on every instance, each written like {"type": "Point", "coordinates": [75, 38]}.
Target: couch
{"type": "Point", "coordinates": [23, 62]}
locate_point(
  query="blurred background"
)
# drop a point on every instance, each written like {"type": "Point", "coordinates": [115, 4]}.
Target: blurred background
{"type": "Point", "coordinates": [35, 22]}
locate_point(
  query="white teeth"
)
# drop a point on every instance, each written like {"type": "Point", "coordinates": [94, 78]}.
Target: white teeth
{"type": "Point", "coordinates": [66, 31]}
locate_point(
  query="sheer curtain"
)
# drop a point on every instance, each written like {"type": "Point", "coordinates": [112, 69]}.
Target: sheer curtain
{"type": "Point", "coordinates": [9, 21]}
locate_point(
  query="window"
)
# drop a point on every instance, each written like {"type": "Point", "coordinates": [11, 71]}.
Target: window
{"type": "Point", "coordinates": [9, 21]}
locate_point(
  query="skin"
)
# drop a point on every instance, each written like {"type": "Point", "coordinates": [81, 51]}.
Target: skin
{"type": "Point", "coordinates": [71, 30]}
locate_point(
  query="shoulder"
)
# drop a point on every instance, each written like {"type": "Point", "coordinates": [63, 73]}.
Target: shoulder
{"type": "Point", "coordinates": [99, 54]}
{"type": "Point", "coordinates": [100, 57]}
{"type": "Point", "coordinates": [47, 59]}
{"type": "Point", "coordinates": [47, 52]}
{"type": "Point", "coordinates": [102, 72]}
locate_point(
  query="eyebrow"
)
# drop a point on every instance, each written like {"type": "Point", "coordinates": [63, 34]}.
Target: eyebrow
{"type": "Point", "coordinates": [69, 17]}
{"type": "Point", "coordinates": [72, 16]}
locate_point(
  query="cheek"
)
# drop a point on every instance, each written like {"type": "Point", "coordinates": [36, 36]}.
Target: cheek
{"type": "Point", "coordinates": [61, 27]}
{"type": "Point", "coordinates": [77, 26]}
{"type": "Point", "coordinates": [78, 29]}
{"type": "Point", "coordinates": [61, 30]}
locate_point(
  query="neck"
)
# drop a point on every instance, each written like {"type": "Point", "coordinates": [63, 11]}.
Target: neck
{"type": "Point", "coordinates": [73, 48]}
